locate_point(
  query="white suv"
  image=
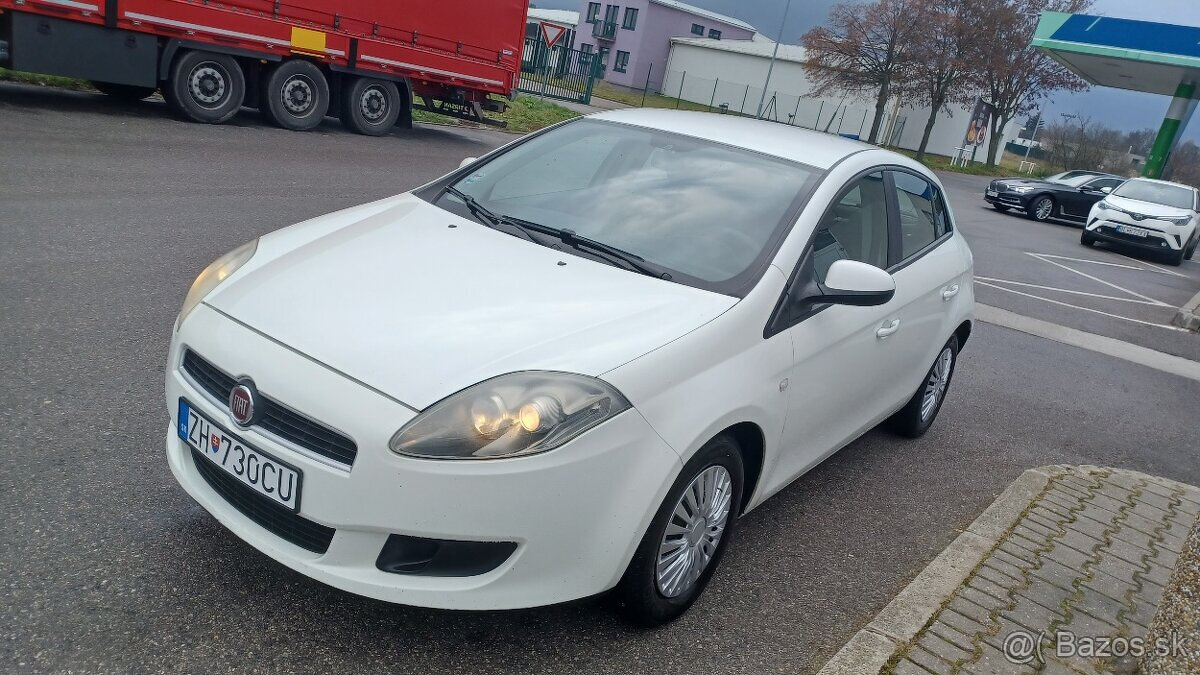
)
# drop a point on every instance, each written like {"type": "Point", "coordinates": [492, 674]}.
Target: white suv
{"type": "Point", "coordinates": [1152, 215]}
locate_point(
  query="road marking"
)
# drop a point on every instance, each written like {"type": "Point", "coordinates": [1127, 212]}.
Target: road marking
{"type": "Point", "coordinates": [1064, 290]}
{"type": "Point", "coordinates": [1086, 309]}
{"type": "Point", "coordinates": [1167, 363]}
{"type": "Point", "coordinates": [1044, 258]}
{"type": "Point", "coordinates": [1152, 265]}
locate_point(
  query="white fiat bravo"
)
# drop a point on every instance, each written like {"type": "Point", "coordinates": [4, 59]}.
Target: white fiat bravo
{"type": "Point", "coordinates": [570, 365]}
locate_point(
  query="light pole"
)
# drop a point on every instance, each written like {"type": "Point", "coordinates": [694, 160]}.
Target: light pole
{"type": "Point", "coordinates": [775, 53]}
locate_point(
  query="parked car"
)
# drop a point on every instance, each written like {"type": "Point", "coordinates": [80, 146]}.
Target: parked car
{"type": "Point", "coordinates": [1068, 195]}
{"type": "Point", "coordinates": [565, 368]}
{"type": "Point", "coordinates": [1150, 215]}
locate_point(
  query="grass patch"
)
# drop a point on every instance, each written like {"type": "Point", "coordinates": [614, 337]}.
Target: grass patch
{"type": "Point", "coordinates": [605, 90]}
{"type": "Point", "coordinates": [942, 163]}
{"type": "Point", "coordinates": [524, 115]}
{"type": "Point", "coordinates": [44, 80]}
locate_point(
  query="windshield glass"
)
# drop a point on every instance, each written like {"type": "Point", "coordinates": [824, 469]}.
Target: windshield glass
{"type": "Point", "coordinates": [1076, 180]}
{"type": "Point", "coordinates": [702, 210]}
{"type": "Point", "coordinates": [1059, 177]}
{"type": "Point", "coordinates": [1157, 193]}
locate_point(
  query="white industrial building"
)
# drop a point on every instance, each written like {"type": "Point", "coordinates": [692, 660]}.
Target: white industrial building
{"type": "Point", "coordinates": [731, 73]}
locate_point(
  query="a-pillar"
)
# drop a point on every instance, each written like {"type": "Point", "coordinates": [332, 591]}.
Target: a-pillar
{"type": "Point", "coordinates": [1178, 115]}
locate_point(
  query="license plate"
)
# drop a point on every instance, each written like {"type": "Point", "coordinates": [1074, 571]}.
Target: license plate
{"type": "Point", "coordinates": [991, 193]}
{"type": "Point", "coordinates": [1135, 231]}
{"type": "Point", "coordinates": [256, 469]}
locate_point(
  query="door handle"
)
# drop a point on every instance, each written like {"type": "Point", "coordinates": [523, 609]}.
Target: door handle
{"type": "Point", "coordinates": [887, 329]}
{"type": "Point", "coordinates": [949, 292]}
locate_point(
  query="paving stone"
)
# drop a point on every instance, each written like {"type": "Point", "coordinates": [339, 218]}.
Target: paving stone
{"type": "Point", "coordinates": [1102, 607]}
{"type": "Point", "coordinates": [1131, 554]}
{"type": "Point", "coordinates": [1140, 522]}
{"type": "Point", "coordinates": [983, 584]}
{"type": "Point", "coordinates": [1162, 502]}
{"type": "Point", "coordinates": [1055, 667]}
{"type": "Point", "coordinates": [1156, 573]}
{"type": "Point", "coordinates": [1035, 531]}
{"type": "Point", "coordinates": [1110, 586]}
{"type": "Point", "coordinates": [1019, 548]}
{"type": "Point", "coordinates": [1081, 542]}
{"type": "Point", "coordinates": [1046, 594]}
{"type": "Point", "coordinates": [1074, 490]}
{"type": "Point", "coordinates": [943, 648]}
{"type": "Point", "coordinates": [1148, 511]}
{"type": "Point", "coordinates": [1058, 574]}
{"type": "Point", "coordinates": [987, 602]}
{"type": "Point", "coordinates": [1118, 568]}
{"type": "Point", "coordinates": [1031, 615]}
{"type": "Point", "coordinates": [1135, 537]}
{"type": "Point", "coordinates": [1060, 511]}
{"type": "Point", "coordinates": [952, 635]}
{"type": "Point", "coordinates": [961, 623]}
{"type": "Point", "coordinates": [930, 662]}
{"type": "Point", "coordinates": [1143, 612]}
{"type": "Point", "coordinates": [994, 572]}
{"type": "Point", "coordinates": [1107, 503]}
{"type": "Point", "coordinates": [977, 613]}
{"type": "Point", "coordinates": [906, 667]}
{"type": "Point", "coordinates": [1065, 555]}
{"type": "Point", "coordinates": [993, 662]}
{"type": "Point", "coordinates": [1087, 527]}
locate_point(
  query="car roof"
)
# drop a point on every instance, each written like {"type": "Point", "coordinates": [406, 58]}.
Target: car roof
{"type": "Point", "coordinates": [813, 148]}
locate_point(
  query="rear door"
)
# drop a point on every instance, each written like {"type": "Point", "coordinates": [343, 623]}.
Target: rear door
{"type": "Point", "coordinates": [1078, 204]}
{"type": "Point", "coordinates": [929, 271]}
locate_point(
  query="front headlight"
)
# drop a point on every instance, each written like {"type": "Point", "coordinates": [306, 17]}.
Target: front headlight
{"type": "Point", "coordinates": [509, 416]}
{"type": "Point", "coordinates": [213, 275]}
{"type": "Point", "coordinates": [1103, 205]}
{"type": "Point", "coordinates": [1022, 190]}
{"type": "Point", "coordinates": [1176, 220]}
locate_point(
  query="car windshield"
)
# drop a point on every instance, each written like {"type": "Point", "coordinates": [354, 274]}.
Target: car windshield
{"type": "Point", "coordinates": [1060, 177]}
{"type": "Point", "coordinates": [704, 211]}
{"type": "Point", "coordinates": [1076, 180]}
{"type": "Point", "coordinates": [1158, 193]}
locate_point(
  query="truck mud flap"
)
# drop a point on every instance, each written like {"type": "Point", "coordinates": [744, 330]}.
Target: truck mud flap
{"type": "Point", "coordinates": [42, 44]}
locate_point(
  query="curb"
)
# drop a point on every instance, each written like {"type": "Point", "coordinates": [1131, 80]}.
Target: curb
{"type": "Point", "coordinates": [900, 621]}
{"type": "Point", "coordinates": [1188, 316]}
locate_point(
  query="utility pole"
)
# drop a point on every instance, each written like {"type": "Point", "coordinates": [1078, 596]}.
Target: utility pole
{"type": "Point", "coordinates": [774, 54]}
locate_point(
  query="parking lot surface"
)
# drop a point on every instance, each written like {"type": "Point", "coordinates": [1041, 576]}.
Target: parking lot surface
{"type": "Point", "coordinates": [108, 211]}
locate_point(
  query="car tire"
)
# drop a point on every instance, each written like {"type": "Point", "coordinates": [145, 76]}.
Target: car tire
{"type": "Point", "coordinates": [1175, 258]}
{"type": "Point", "coordinates": [124, 92]}
{"type": "Point", "coordinates": [1087, 239]}
{"type": "Point", "coordinates": [295, 95]}
{"type": "Point", "coordinates": [648, 598]}
{"type": "Point", "coordinates": [1001, 208]}
{"type": "Point", "coordinates": [370, 106]}
{"type": "Point", "coordinates": [206, 87]}
{"type": "Point", "coordinates": [1191, 250]}
{"type": "Point", "coordinates": [1040, 208]}
{"type": "Point", "coordinates": [915, 418]}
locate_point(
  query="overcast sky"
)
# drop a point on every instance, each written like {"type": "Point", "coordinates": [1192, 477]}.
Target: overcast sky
{"type": "Point", "coordinates": [1120, 109]}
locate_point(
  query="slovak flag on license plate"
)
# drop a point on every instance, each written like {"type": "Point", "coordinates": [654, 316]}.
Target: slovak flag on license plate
{"type": "Point", "coordinates": [215, 442]}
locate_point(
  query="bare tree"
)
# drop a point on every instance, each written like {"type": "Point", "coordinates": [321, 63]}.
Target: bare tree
{"type": "Point", "coordinates": [1015, 76]}
{"type": "Point", "coordinates": [1185, 164]}
{"type": "Point", "coordinates": [944, 59]}
{"type": "Point", "coordinates": [1080, 143]}
{"type": "Point", "coordinates": [864, 48]}
{"type": "Point", "coordinates": [1140, 141]}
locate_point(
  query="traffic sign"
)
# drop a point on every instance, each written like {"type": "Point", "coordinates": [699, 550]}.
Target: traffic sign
{"type": "Point", "coordinates": [552, 33]}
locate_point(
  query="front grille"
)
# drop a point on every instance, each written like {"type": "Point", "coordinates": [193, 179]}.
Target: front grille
{"type": "Point", "coordinates": [275, 418]}
{"type": "Point", "coordinates": [274, 517]}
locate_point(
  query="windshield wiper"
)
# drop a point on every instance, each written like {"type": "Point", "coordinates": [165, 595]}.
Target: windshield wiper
{"type": "Point", "coordinates": [569, 237]}
{"type": "Point", "coordinates": [486, 215]}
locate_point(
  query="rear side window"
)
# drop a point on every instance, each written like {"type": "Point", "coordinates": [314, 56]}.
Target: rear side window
{"type": "Point", "coordinates": [856, 228]}
{"type": "Point", "coordinates": [923, 215]}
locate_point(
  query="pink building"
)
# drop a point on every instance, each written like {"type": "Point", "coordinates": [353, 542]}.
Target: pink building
{"type": "Point", "coordinates": [633, 38]}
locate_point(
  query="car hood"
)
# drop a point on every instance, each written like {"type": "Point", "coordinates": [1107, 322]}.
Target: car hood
{"type": "Point", "coordinates": [1017, 182]}
{"type": "Point", "coordinates": [1149, 209]}
{"type": "Point", "coordinates": [421, 303]}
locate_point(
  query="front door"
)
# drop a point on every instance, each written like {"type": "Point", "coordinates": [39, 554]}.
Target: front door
{"type": "Point", "coordinates": [841, 354]}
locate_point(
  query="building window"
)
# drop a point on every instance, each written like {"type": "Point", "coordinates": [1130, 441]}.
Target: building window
{"type": "Point", "coordinates": [630, 22]}
{"type": "Point", "coordinates": [622, 61]}
{"type": "Point", "coordinates": [697, 29]}
{"type": "Point", "coordinates": [714, 33]}
{"type": "Point", "coordinates": [593, 14]}
{"type": "Point", "coordinates": [603, 56]}
{"type": "Point", "coordinates": [586, 48]}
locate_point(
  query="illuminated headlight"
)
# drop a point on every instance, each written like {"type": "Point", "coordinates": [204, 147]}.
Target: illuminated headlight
{"type": "Point", "coordinates": [1022, 190]}
{"type": "Point", "coordinates": [509, 416]}
{"type": "Point", "coordinates": [213, 275]}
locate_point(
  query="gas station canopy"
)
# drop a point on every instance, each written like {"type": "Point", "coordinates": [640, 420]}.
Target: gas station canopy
{"type": "Point", "coordinates": [1145, 56]}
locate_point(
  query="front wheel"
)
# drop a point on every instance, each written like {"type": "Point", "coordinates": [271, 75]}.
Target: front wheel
{"type": "Point", "coordinates": [1087, 239]}
{"type": "Point", "coordinates": [206, 87]}
{"type": "Point", "coordinates": [1041, 208]}
{"type": "Point", "coordinates": [915, 418]}
{"type": "Point", "coordinates": [687, 537]}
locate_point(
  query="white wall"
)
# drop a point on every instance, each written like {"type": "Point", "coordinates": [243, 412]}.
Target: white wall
{"type": "Point", "coordinates": [730, 77]}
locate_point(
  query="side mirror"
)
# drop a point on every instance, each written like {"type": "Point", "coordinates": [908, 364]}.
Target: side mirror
{"type": "Point", "coordinates": [850, 282]}
{"type": "Point", "coordinates": [1106, 190]}
{"type": "Point", "coordinates": [467, 161]}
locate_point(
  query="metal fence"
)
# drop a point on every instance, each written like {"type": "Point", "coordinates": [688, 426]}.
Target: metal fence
{"type": "Point", "coordinates": [559, 72]}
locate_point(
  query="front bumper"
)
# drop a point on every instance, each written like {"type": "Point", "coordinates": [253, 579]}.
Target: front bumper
{"type": "Point", "coordinates": [1167, 239]}
{"type": "Point", "coordinates": [576, 513]}
{"type": "Point", "coordinates": [1009, 199]}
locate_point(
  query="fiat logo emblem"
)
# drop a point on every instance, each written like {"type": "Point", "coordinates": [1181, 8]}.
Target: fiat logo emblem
{"type": "Point", "coordinates": [242, 402]}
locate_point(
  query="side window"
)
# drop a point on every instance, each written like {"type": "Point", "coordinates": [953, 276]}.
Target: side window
{"type": "Point", "coordinates": [855, 228]}
{"type": "Point", "coordinates": [920, 220]}
{"type": "Point", "coordinates": [1101, 183]}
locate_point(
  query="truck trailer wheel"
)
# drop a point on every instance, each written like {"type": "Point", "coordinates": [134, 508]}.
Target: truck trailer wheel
{"type": "Point", "coordinates": [125, 92]}
{"type": "Point", "coordinates": [206, 87]}
{"type": "Point", "coordinates": [370, 106]}
{"type": "Point", "coordinates": [295, 95]}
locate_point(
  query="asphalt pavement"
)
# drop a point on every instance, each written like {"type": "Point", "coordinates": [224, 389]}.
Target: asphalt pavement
{"type": "Point", "coordinates": [107, 212]}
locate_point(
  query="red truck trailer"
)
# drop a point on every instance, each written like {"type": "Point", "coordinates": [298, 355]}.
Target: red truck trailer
{"type": "Point", "coordinates": [365, 61]}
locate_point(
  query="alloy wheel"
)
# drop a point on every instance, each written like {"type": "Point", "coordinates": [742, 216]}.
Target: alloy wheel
{"type": "Point", "coordinates": [694, 531]}
{"type": "Point", "coordinates": [935, 386]}
{"type": "Point", "coordinates": [1043, 208]}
